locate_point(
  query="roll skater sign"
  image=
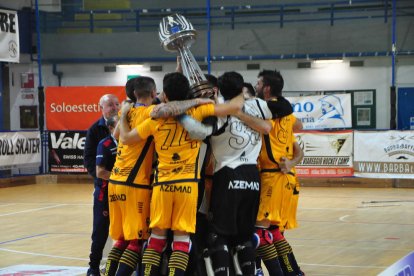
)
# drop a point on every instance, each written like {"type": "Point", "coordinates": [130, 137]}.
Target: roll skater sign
{"type": "Point", "coordinates": [20, 149]}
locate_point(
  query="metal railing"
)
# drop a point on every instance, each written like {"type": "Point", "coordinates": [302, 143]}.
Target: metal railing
{"type": "Point", "coordinates": [223, 17]}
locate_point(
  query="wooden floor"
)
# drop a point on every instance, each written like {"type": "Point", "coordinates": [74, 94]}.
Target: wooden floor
{"type": "Point", "coordinates": [343, 231]}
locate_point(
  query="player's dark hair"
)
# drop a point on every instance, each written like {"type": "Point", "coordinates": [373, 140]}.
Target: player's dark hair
{"type": "Point", "coordinates": [230, 84]}
{"type": "Point", "coordinates": [211, 79]}
{"type": "Point", "coordinates": [250, 89]}
{"type": "Point", "coordinates": [273, 79]}
{"type": "Point", "coordinates": [129, 89]}
{"type": "Point", "coordinates": [143, 86]}
{"type": "Point", "coordinates": [176, 86]}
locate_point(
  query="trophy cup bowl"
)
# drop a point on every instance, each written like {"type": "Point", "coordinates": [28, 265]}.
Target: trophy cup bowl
{"type": "Point", "coordinates": [177, 34]}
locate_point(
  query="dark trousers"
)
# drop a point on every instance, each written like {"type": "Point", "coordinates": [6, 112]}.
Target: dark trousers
{"type": "Point", "coordinates": [100, 228]}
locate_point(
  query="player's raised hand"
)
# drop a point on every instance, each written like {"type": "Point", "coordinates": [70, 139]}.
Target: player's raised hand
{"type": "Point", "coordinates": [126, 106]}
{"type": "Point", "coordinates": [179, 68]}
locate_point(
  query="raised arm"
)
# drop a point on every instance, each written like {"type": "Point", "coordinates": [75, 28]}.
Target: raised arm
{"type": "Point", "coordinates": [174, 108]}
{"type": "Point", "coordinates": [126, 135]}
{"type": "Point", "coordinates": [258, 124]}
{"type": "Point", "coordinates": [231, 107]}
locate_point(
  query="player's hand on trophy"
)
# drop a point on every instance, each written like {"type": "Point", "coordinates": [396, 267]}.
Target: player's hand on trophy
{"type": "Point", "coordinates": [179, 68]}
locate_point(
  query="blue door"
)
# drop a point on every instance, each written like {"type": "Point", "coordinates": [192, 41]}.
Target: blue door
{"type": "Point", "coordinates": [405, 108]}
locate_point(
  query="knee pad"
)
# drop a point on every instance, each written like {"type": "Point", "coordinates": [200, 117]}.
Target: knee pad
{"type": "Point", "coordinates": [264, 236]}
{"type": "Point", "coordinates": [157, 243]}
{"type": "Point", "coordinates": [277, 236]}
{"type": "Point", "coordinates": [216, 243]}
{"type": "Point", "coordinates": [135, 245]}
{"type": "Point", "coordinates": [121, 244]}
{"type": "Point", "coordinates": [181, 243]}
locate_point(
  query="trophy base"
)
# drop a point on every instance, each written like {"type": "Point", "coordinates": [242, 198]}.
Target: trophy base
{"type": "Point", "coordinates": [202, 89]}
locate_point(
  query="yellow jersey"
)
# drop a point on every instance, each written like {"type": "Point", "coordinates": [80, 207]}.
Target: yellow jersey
{"type": "Point", "coordinates": [129, 155]}
{"type": "Point", "coordinates": [177, 152]}
{"type": "Point", "coordinates": [278, 143]}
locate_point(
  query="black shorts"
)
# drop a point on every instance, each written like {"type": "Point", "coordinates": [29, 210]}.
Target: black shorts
{"type": "Point", "coordinates": [235, 200]}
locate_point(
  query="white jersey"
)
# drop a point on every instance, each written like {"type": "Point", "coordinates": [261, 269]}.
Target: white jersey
{"type": "Point", "coordinates": [236, 144]}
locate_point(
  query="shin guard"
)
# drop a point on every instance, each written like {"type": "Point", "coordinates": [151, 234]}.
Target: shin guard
{"type": "Point", "coordinates": [245, 258]}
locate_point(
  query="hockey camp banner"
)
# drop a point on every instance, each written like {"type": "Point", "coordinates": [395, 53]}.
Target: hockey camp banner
{"type": "Point", "coordinates": [9, 36]}
{"type": "Point", "coordinates": [76, 108]}
{"type": "Point", "coordinates": [20, 149]}
{"type": "Point", "coordinates": [326, 154]}
{"type": "Point", "coordinates": [323, 111]}
{"type": "Point", "coordinates": [66, 151]}
{"type": "Point", "coordinates": [384, 154]}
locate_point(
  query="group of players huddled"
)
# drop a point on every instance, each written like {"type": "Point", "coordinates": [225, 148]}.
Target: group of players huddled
{"type": "Point", "coordinates": [204, 186]}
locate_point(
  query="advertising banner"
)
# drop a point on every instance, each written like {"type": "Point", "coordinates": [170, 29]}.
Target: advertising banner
{"type": "Point", "coordinates": [76, 108]}
{"type": "Point", "coordinates": [9, 36]}
{"type": "Point", "coordinates": [66, 151]}
{"type": "Point", "coordinates": [403, 267]}
{"type": "Point", "coordinates": [323, 111]}
{"type": "Point", "coordinates": [327, 154]}
{"type": "Point", "coordinates": [384, 154]}
{"type": "Point", "coordinates": [20, 149]}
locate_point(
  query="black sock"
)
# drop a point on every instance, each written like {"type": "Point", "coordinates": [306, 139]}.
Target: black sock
{"type": "Point", "coordinates": [268, 254]}
{"type": "Point", "coordinates": [113, 260]}
{"type": "Point", "coordinates": [177, 264]}
{"type": "Point", "coordinates": [150, 262]}
{"type": "Point", "coordinates": [246, 257]}
{"type": "Point", "coordinates": [221, 262]}
{"type": "Point", "coordinates": [127, 263]}
{"type": "Point", "coordinates": [294, 263]}
{"type": "Point", "coordinates": [282, 248]}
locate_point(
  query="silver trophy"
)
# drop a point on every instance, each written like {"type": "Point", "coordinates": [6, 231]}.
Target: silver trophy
{"type": "Point", "coordinates": [177, 34]}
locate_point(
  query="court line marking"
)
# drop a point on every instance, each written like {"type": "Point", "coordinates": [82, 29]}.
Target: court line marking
{"type": "Point", "coordinates": [350, 266]}
{"type": "Point", "coordinates": [32, 210]}
{"type": "Point", "coordinates": [355, 222]}
{"type": "Point", "coordinates": [343, 218]}
{"type": "Point", "coordinates": [24, 238]}
{"type": "Point", "coordinates": [44, 255]}
{"type": "Point", "coordinates": [46, 203]}
{"type": "Point", "coordinates": [7, 204]}
{"type": "Point", "coordinates": [335, 209]}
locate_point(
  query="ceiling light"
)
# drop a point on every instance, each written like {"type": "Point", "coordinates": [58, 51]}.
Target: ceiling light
{"type": "Point", "coordinates": [326, 61]}
{"type": "Point", "coordinates": [130, 66]}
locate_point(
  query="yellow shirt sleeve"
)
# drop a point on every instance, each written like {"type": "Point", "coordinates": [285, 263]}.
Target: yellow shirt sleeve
{"type": "Point", "coordinates": [202, 111]}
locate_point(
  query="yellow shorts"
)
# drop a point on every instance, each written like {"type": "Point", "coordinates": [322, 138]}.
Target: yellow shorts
{"type": "Point", "coordinates": [174, 206]}
{"type": "Point", "coordinates": [129, 209]}
{"type": "Point", "coordinates": [275, 197]}
{"type": "Point", "coordinates": [292, 221]}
